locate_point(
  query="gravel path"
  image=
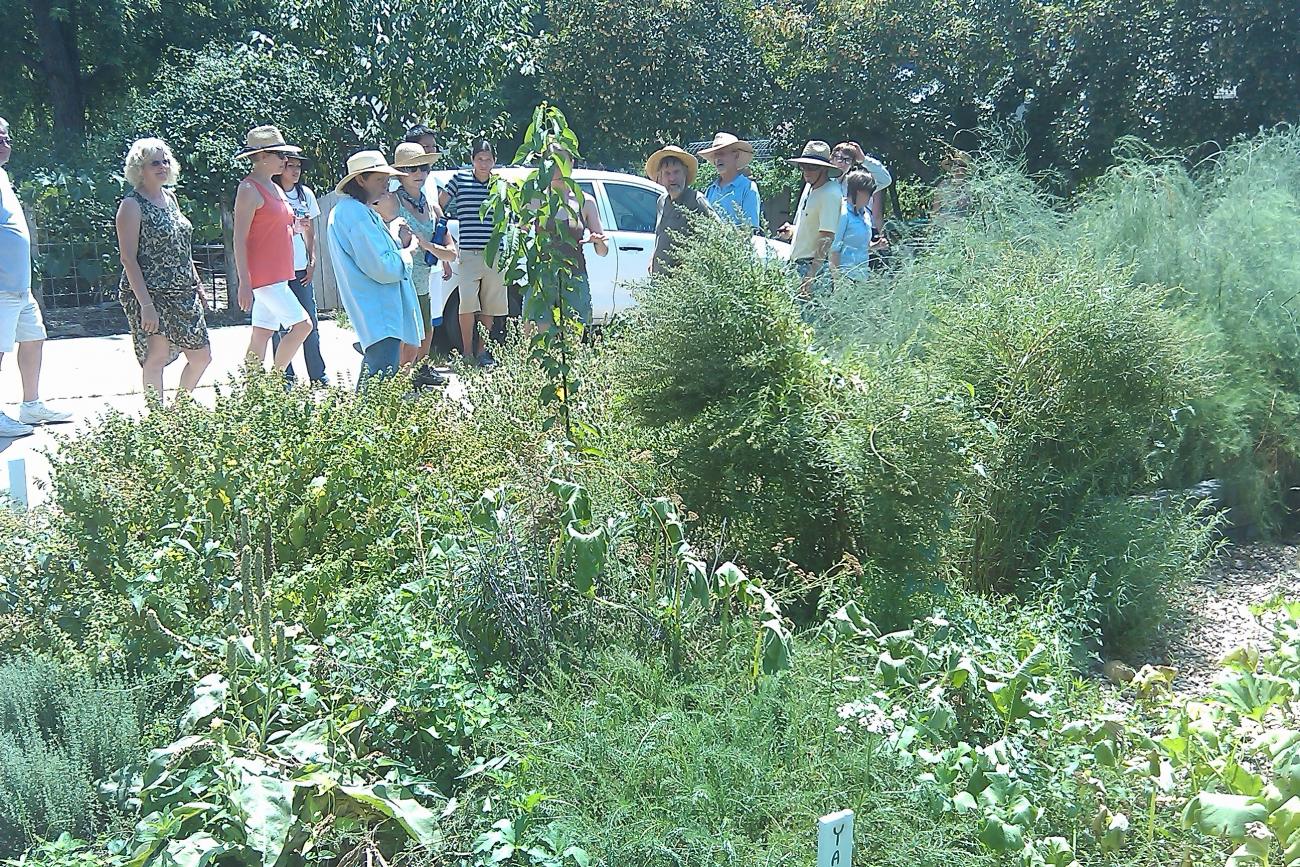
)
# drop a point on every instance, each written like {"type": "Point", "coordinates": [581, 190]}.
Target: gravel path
{"type": "Point", "coordinates": [1216, 615]}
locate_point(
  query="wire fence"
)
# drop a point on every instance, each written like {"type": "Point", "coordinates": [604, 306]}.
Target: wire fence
{"type": "Point", "coordinates": [86, 274]}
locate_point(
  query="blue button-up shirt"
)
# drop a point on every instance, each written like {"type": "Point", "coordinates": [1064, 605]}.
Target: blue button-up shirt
{"type": "Point", "coordinates": [736, 202]}
{"type": "Point", "coordinates": [374, 275]}
{"type": "Point", "coordinates": [853, 241]}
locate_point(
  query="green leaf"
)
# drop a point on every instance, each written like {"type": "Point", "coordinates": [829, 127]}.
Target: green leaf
{"type": "Point", "coordinates": [1219, 815]}
{"type": "Point", "coordinates": [264, 801]}
{"type": "Point", "coordinates": [418, 821]}
{"type": "Point", "coordinates": [776, 647]}
{"type": "Point", "coordinates": [999, 836]}
{"type": "Point", "coordinates": [589, 554]}
{"type": "Point", "coordinates": [309, 744]}
{"type": "Point", "coordinates": [209, 697]}
{"type": "Point", "coordinates": [1116, 834]}
{"type": "Point", "coordinates": [197, 850]}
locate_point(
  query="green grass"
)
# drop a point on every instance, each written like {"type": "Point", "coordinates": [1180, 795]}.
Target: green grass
{"type": "Point", "coordinates": [647, 770]}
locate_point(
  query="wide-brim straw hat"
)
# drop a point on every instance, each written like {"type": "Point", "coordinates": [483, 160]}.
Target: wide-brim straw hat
{"type": "Point", "coordinates": [410, 154]}
{"type": "Point", "coordinates": [688, 159]}
{"type": "Point", "coordinates": [725, 140]}
{"type": "Point", "coordinates": [817, 154]}
{"type": "Point", "coordinates": [261, 139]}
{"type": "Point", "coordinates": [362, 162]}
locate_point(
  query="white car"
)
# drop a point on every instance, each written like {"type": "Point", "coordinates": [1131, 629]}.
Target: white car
{"type": "Point", "coordinates": [627, 206]}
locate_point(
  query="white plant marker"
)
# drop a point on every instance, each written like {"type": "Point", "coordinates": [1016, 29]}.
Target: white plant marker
{"type": "Point", "coordinates": [835, 840]}
{"type": "Point", "coordinates": [18, 482]}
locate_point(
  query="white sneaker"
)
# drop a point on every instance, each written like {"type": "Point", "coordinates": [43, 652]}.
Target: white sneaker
{"type": "Point", "coordinates": [10, 429]}
{"type": "Point", "coordinates": [37, 412]}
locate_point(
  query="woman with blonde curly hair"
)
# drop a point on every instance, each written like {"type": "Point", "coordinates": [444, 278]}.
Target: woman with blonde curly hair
{"type": "Point", "coordinates": [160, 285]}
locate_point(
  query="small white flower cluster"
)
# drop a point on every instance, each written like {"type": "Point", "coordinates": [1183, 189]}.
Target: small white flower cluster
{"type": "Point", "coordinates": [874, 716]}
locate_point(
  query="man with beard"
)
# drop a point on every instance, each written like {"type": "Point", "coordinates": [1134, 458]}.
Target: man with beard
{"type": "Point", "coordinates": [673, 169]}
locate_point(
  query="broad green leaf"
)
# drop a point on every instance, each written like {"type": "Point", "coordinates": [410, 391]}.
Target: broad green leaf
{"type": "Point", "coordinates": [418, 821]}
{"type": "Point", "coordinates": [776, 647]}
{"type": "Point", "coordinates": [264, 801]}
{"type": "Point", "coordinates": [1221, 815]}
{"type": "Point", "coordinates": [307, 745]}
{"type": "Point", "coordinates": [1284, 822]}
{"type": "Point", "coordinates": [1115, 835]}
{"type": "Point", "coordinates": [196, 850]}
{"type": "Point", "coordinates": [589, 553]}
{"type": "Point", "coordinates": [209, 696]}
{"type": "Point", "coordinates": [998, 836]}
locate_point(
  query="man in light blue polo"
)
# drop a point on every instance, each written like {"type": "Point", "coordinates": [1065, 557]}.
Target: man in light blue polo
{"type": "Point", "coordinates": [733, 196]}
{"type": "Point", "coordinates": [21, 326]}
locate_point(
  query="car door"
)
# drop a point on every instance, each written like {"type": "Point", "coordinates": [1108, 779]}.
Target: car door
{"type": "Point", "coordinates": [632, 210]}
{"type": "Point", "coordinates": [601, 270]}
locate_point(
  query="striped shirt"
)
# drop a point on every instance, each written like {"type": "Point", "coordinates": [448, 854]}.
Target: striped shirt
{"type": "Point", "coordinates": [467, 196]}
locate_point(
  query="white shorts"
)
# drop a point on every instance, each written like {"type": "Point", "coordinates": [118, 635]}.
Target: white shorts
{"type": "Point", "coordinates": [20, 320]}
{"type": "Point", "coordinates": [276, 307]}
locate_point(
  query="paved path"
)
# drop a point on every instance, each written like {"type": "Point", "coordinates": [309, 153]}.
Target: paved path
{"type": "Point", "coordinates": [89, 375]}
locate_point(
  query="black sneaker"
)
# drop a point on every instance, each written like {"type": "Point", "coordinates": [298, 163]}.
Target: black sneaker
{"type": "Point", "coordinates": [428, 378]}
{"type": "Point", "coordinates": [485, 359]}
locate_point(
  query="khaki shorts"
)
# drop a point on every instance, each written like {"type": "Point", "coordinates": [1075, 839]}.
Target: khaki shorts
{"type": "Point", "coordinates": [482, 287]}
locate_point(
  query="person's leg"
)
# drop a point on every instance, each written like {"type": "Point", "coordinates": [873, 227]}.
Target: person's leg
{"type": "Point", "coordinates": [380, 359]}
{"type": "Point", "coordinates": [306, 295]}
{"type": "Point", "coordinates": [151, 371]}
{"type": "Point", "coordinates": [196, 361]}
{"type": "Point", "coordinates": [258, 341]}
{"type": "Point", "coordinates": [291, 343]}
{"type": "Point", "coordinates": [30, 355]}
{"type": "Point", "coordinates": [275, 347]}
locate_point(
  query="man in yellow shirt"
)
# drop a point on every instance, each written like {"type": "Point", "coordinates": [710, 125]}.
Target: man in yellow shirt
{"type": "Point", "coordinates": [818, 214]}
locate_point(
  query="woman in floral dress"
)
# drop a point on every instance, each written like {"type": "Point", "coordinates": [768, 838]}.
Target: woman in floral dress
{"type": "Point", "coordinates": [160, 285]}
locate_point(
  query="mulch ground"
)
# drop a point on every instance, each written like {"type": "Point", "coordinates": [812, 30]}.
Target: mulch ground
{"type": "Point", "coordinates": [1216, 615]}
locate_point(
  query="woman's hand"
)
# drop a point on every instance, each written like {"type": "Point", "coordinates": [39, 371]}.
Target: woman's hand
{"type": "Point", "coordinates": [149, 318]}
{"type": "Point", "coordinates": [245, 296]}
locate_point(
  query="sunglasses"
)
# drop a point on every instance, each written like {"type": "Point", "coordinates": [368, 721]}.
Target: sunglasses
{"type": "Point", "coordinates": [409, 169]}
{"type": "Point", "coordinates": [292, 165]}
{"type": "Point", "coordinates": [159, 163]}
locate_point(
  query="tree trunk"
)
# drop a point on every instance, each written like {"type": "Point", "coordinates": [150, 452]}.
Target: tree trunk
{"type": "Point", "coordinates": [56, 33]}
{"type": "Point", "coordinates": [228, 239]}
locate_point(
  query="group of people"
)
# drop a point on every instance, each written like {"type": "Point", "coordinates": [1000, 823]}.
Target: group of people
{"type": "Point", "coordinates": [837, 224]}
{"type": "Point", "coordinates": [388, 244]}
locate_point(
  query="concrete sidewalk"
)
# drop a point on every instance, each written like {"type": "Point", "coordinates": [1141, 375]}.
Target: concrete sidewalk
{"type": "Point", "coordinates": [90, 375]}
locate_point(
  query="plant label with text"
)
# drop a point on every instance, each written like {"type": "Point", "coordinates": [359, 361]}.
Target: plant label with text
{"type": "Point", "coordinates": [835, 840]}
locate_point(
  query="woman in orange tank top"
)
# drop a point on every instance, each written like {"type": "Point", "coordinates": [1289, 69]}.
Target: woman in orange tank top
{"type": "Point", "coordinates": [264, 227]}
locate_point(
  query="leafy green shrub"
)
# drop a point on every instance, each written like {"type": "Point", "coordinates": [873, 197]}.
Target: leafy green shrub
{"type": "Point", "coordinates": [60, 733]}
{"type": "Point", "coordinates": [1124, 562]}
{"type": "Point", "coordinates": [1222, 236]}
{"type": "Point", "coordinates": [1074, 378]}
{"type": "Point", "coordinates": [719, 360]}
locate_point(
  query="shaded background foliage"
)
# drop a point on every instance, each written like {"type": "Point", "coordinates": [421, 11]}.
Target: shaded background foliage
{"type": "Point", "coordinates": [896, 75]}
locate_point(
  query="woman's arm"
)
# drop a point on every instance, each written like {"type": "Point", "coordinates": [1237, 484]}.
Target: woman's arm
{"type": "Point", "coordinates": [128, 245]}
{"type": "Point", "coordinates": [591, 218]}
{"type": "Point", "coordinates": [247, 201]}
{"type": "Point", "coordinates": [371, 248]}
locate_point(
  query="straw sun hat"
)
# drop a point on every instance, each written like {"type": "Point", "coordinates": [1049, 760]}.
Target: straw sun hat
{"type": "Point", "coordinates": [410, 154]}
{"type": "Point", "coordinates": [724, 141]}
{"type": "Point", "coordinates": [261, 139]}
{"type": "Point", "coordinates": [691, 163]}
{"type": "Point", "coordinates": [817, 154]}
{"type": "Point", "coordinates": [362, 162]}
